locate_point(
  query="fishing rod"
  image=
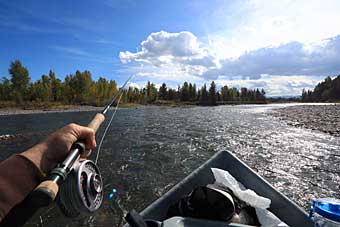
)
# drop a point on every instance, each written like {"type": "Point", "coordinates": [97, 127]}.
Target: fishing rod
{"type": "Point", "coordinates": [75, 184]}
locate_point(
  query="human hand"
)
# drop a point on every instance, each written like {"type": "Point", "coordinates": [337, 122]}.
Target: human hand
{"type": "Point", "coordinates": [55, 147]}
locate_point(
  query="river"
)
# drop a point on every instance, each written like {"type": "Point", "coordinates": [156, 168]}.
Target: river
{"type": "Point", "coordinates": [149, 149]}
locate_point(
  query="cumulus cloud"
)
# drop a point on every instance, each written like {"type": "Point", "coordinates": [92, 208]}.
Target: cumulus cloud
{"type": "Point", "coordinates": [293, 58]}
{"type": "Point", "coordinates": [181, 52]}
{"type": "Point", "coordinates": [163, 44]}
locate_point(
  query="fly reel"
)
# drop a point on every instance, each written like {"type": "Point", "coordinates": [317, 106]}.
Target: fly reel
{"type": "Point", "coordinates": [82, 191]}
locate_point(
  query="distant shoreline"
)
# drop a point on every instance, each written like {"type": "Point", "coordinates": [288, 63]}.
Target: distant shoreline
{"type": "Point", "coordinates": [10, 108]}
{"type": "Point", "coordinates": [56, 109]}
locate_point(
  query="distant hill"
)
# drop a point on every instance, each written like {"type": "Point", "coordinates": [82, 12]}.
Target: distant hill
{"type": "Point", "coordinates": [326, 91]}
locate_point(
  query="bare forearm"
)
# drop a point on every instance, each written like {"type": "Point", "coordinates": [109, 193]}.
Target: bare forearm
{"type": "Point", "coordinates": [19, 176]}
{"type": "Point", "coordinates": [21, 173]}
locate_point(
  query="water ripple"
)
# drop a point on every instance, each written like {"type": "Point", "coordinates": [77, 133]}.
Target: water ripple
{"type": "Point", "coordinates": [150, 149]}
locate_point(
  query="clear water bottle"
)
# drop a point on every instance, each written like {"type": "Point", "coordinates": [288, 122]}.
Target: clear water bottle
{"type": "Point", "coordinates": [325, 212]}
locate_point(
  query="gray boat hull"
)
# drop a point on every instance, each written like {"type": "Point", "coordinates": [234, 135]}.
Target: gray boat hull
{"type": "Point", "coordinates": [281, 206]}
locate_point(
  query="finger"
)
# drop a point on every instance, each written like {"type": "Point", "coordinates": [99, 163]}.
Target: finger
{"type": "Point", "coordinates": [88, 135]}
{"type": "Point", "coordinates": [86, 153]}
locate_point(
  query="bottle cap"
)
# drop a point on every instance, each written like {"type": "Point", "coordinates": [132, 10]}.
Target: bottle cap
{"type": "Point", "coordinates": [328, 208]}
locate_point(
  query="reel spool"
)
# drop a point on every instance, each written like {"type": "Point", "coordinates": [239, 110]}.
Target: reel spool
{"type": "Point", "coordinates": [82, 191]}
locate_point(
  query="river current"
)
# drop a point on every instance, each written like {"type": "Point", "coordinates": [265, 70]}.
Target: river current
{"type": "Point", "coordinates": [148, 150]}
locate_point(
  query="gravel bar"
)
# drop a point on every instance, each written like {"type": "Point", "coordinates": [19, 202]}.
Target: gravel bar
{"type": "Point", "coordinates": [325, 118]}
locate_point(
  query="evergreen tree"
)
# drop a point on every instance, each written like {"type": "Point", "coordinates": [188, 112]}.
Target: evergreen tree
{"type": "Point", "coordinates": [326, 91]}
{"type": "Point", "coordinates": [171, 94]}
{"type": "Point", "coordinates": [163, 92]}
{"type": "Point", "coordinates": [192, 92]}
{"type": "Point", "coordinates": [185, 92]}
{"type": "Point", "coordinates": [263, 94]}
{"type": "Point", "coordinates": [244, 94]}
{"type": "Point", "coordinates": [212, 94]}
{"type": "Point", "coordinates": [203, 95]}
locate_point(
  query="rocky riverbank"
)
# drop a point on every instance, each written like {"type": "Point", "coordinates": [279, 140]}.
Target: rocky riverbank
{"type": "Point", "coordinates": [325, 118]}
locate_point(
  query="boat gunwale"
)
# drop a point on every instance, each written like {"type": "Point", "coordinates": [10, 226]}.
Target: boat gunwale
{"type": "Point", "coordinates": [281, 206]}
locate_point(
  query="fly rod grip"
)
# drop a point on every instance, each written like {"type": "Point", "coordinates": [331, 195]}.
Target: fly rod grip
{"type": "Point", "coordinates": [94, 124]}
{"type": "Point", "coordinates": [47, 191]}
{"type": "Point", "coordinates": [96, 121]}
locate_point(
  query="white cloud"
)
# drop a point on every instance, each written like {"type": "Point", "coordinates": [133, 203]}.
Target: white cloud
{"type": "Point", "coordinates": [134, 85]}
{"type": "Point", "coordinates": [162, 45]}
{"type": "Point", "coordinates": [275, 85]}
{"type": "Point", "coordinates": [173, 53]}
{"type": "Point", "coordinates": [264, 23]}
{"type": "Point", "coordinates": [181, 55]}
{"type": "Point", "coordinates": [287, 40]}
{"type": "Point", "coordinates": [293, 58]}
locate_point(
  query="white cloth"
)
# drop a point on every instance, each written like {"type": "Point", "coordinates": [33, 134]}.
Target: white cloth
{"type": "Point", "coordinates": [266, 218]}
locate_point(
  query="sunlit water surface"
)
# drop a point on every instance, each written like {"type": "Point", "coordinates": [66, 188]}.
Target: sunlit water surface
{"type": "Point", "coordinates": [149, 149]}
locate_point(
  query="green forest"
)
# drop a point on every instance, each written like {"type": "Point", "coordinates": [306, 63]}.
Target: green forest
{"type": "Point", "coordinates": [326, 91]}
{"type": "Point", "coordinates": [80, 89]}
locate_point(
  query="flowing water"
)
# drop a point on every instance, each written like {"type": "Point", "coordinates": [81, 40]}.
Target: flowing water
{"type": "Point", "coordinates": [149, 149]}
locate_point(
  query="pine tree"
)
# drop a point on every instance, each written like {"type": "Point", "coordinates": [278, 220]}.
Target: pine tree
{"type": "Point", "coordinates": [212, 94]}
{"type": "Point", "coordinates": [203, 95]}
{"type": "Point", "coordinates": [185, 92]}
{"type": "Point", "coordinates": [163, 92]}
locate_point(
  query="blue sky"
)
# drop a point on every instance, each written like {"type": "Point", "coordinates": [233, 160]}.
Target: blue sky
{"type": "Point", "coordinates": [70, 35]}
{"type": "Point", "coordinates": [251, 43]}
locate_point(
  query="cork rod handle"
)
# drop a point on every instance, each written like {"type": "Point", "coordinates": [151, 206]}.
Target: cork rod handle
{"type": "Point", "coordinates": [96, 121]}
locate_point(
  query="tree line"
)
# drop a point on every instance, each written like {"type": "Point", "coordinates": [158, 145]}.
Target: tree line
{"type": "Point", "coordinates": [80, 88]}
{"type": "Point", "coordinates": [325, 91]}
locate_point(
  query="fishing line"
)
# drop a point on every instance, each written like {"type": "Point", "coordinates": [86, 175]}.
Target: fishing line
{"type": "Point", "coordinates": [107, 128]}
{"type": "Point", "coordinates": [118, 94]}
